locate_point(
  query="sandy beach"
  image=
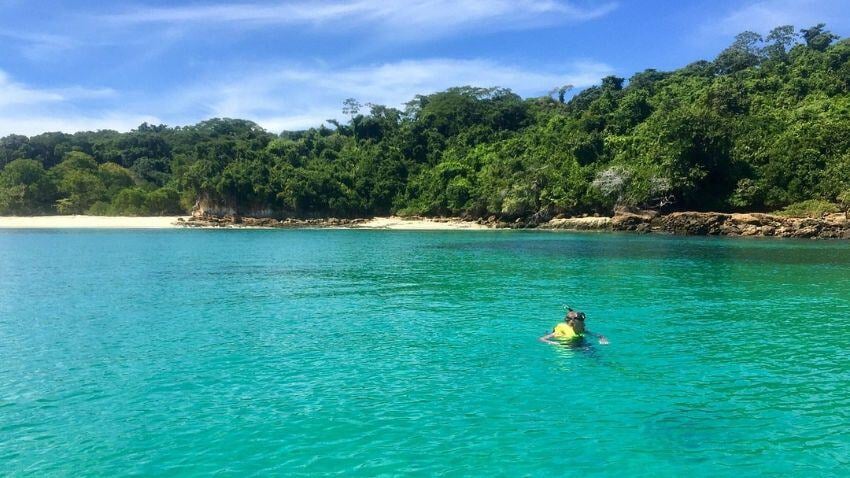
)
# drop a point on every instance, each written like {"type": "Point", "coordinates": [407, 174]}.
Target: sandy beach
{"type": "Point", "coordinates": [419, 224]}
{"type": "Point", "coordinates": [168, 222]}
{"type": "Point", "coordinates": [87, 222]}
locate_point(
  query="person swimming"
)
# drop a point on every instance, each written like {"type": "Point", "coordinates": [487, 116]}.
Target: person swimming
{"type": "Point", "coordinates": [572, 329]}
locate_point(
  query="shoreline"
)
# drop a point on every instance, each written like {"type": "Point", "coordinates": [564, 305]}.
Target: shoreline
{"type": "Point", "coordinates": [396, 223]}
{"type": "Point", "coordinates": [90, 222]}
{"type": "Point", "coordinates": [186, 222]}
{"type": "Point", "coordinates": [686, 223]}
{"type": "Point", "coordinates": [832, 226]}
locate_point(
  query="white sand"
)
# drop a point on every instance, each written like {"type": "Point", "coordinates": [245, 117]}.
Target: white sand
{"type": "Point", "coordinates": [87, 222]}
{"type": "Point", "coordinates": [419, 224]}
{"type": "Point", "coordinates": [167, 222]}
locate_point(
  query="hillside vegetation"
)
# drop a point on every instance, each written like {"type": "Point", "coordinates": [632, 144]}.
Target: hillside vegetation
{"type": "Point", "coordinates": [764, 126]}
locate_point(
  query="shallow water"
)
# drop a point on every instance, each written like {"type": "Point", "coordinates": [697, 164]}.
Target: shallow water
{"type": "Point", "coordinates": [379, 352]}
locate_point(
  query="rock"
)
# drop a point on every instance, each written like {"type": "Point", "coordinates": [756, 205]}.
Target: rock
{"type": "Point", "coordinates": [625, 210]}
{"type": "Point", "coordinates": [579, 224]}
{"type": "Point", "coordinates": [633, 211]}
{"type": "Point", "coordinates": [833, 226]}
{"type": "Point", "coordinates": [628, 222]}
{"type": "Point", "coordinates": [696, 223]}
{"type": "Point", "coordinates": [642, 228]}
{"type": "Point", "coordinates": [749, 230]}
{"type": "Point", "coordinates": [747, 219]}
{"type": "Point", "coordinates": [806, 232]}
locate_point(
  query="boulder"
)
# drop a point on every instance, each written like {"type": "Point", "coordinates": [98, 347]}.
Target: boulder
{"type": "Point", "coordinates": [628, 222]}
{"type": "Point", "coordinates": [579, 224]}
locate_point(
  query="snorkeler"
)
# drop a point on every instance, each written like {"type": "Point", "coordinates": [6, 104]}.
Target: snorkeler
{"type": "Point", "coordinates": [572, 329]}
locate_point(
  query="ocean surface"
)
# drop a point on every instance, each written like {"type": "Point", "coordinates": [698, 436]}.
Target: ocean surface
{"type": "Point", "coordinates": [369, 353]}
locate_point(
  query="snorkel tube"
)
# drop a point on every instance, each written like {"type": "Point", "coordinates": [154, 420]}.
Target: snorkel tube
{"type": "Point", "coordinates": [579, 315]}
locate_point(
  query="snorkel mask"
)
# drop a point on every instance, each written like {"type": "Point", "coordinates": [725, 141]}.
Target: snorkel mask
{"type": "Point", "coordinates": [578, 315]}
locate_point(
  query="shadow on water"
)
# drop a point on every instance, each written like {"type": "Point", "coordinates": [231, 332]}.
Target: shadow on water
{"type": "Point", "coordinates": [688, 430]}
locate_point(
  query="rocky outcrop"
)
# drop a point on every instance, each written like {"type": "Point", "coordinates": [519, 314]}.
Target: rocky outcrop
{"type": "Point", "coordinates": [236, 221]}
{"type": "Point", "coordinates": [206, 208]}
{"type": "Point", "coordinates": [580, 223]}
{"type": "Point", "coordinates": [833, 226]}
{"type": "Point", "coordinates": [499, 223]}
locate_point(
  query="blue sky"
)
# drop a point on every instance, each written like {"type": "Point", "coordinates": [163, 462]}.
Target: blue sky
{"type": "Point", "coordinates": [75, 65]}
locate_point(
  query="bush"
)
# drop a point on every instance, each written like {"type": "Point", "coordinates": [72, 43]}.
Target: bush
{"type": "Point", "coordinates": [163, 201]}
{"type": "Point", "coordinates": [844, 202]}
{"type": "Point", "coordinates": [130, 202]}
{"type": "Point", "coordinates": [100, 208]}
{"type": "Point", "coordinates": [25, 188]}
{"type": "Point", "coordinates": [139, 202]}
{"type": "Point", "coordinates": [810, 208]}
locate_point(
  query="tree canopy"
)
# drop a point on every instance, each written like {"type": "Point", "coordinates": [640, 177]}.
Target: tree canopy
{"type": "Point", "coordinates": [763, 126]}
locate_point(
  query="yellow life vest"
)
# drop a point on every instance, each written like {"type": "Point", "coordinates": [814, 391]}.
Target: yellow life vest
{"type": "Point", "coordinates": [564, 331]}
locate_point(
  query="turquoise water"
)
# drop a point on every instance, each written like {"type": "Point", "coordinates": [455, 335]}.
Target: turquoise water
{"type": "Point", "coordinates": [305, 353]}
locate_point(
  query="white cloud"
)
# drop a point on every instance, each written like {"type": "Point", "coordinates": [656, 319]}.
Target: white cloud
{"type": "Point", "coordinates": [276, 98]}
{"type": "Point", "coordinates": [308, 119]}
{"type": "Point", "coordinates": [21, 123]}
{"type": "Point", "coordinates": [54, 34]}
{"type": "Point", "coordinates": [37, 46]}
{"type": "Point", "coordinates": [408, 17]}
{"type": "Point", "coordinates": [16, 94]}
{"type": "Point", "coordinates": [762, 16]}
{"type": "Point", "coordinates": [292, 98]}
{"type": "Point", "coordinates": [29, 110]}
{"type": "Point", "coordinates": [44, 39]}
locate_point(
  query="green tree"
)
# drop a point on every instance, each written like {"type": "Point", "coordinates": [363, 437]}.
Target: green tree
{"type": "Point", "coordinates": [163, 201]}
{"type": "Point", "coordinates": [817, 37]}
{"type": "Point", "coordinates": [779, 41]}
{"type": "Point", "coordinates": [79, 183]}
{"type": "Point", "coordinates": [25, 188]}
{"type": "Point", "coordinates": [744, 53]}
{"type": "Point", "coordinates": [762, 127]}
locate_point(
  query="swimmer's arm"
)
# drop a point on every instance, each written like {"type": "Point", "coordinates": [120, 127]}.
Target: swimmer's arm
{"type": "Point", "coordinates": [545, 339]}
{"type": "Point", "coordinates": [602, 339]}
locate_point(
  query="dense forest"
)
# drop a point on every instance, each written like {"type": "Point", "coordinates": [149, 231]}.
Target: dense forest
{"type": "Point", "coordinates": [764, 126]}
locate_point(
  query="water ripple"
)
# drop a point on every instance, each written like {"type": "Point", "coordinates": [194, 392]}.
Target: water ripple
{"type": "Point", "coordinates": [338, 353]}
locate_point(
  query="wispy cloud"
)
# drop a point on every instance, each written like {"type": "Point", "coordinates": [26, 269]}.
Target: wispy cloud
{"type": "Point", "coordinates": [762, 16]}
{"type": "Point", "coordinates": [69, 123]}
{"type": "Point", "coordinates": [284, 97]}
{"type": "Point", "coordinates": [35, 45]}
{"type": "Point", "coordinates": [295, 97]}
{"type": "Point", "coordinates": [423, 17]}
{"type": "Point", "coordinates": [17, 94]}
{"type": "Point", "coordinates": [47, 39]}
{"type": "Point", "coordinates": [25, 109]}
